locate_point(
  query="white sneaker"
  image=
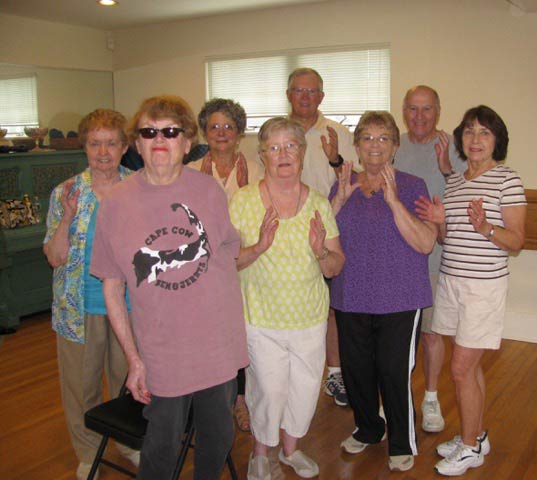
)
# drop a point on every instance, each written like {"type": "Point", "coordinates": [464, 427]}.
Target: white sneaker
{"type": "Point", "coordinates": [258, 468]}
{"type": "Point", "coordinates": [83, 470]}
{"type": "Point", "coordinates": [401, 463]}
{"type": "Point", "coordinates": [353, 446]}
{"type": "Point", "coordinates": [303, 465]}
{"type": "Point", "coordinates": [131, 455]}
{"type": "Point", "coordinates": [447, 448]}
{"type": "Point", "coordinates": [463, 458]}
{"type": "Point", "coordinates": [432, 421]}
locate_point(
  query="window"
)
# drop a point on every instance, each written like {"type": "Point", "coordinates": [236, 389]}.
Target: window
{"type": "Point", "coordinates": [356, 79]}
{"type": "Point", "coordinates": [18, 103]}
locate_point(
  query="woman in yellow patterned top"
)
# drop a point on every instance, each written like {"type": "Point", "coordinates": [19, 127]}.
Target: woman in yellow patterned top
{"type": "Point", "coordinates": [289, 241]}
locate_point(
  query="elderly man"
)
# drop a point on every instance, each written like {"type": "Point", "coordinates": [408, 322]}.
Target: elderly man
{"type": "Point", "coordinates": [328, 144]}
{"type": "Point", "coordinates": [428, 153]}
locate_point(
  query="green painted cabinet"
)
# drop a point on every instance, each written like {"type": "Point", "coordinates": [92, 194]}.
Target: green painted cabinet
{"type": "Point", "coordinates": [25, 276]}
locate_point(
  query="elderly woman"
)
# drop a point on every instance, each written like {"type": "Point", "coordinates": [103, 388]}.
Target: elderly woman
{"type": "Point", "coordinates": [381, 290]}
{"type": "Point", "coordinates": [222, 123]}
{"type": "Point", "coordinates": [289, 240]}
{"type": "Point", "coordinates": [166, 232]}
{"type": "Point", "coordinates": [481, 221]}
{"type": "Point", "coordinates": [86, 343]}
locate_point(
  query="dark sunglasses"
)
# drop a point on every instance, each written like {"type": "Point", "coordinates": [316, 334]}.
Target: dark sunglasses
{"type": "Point", "coordinates": [167, 132]}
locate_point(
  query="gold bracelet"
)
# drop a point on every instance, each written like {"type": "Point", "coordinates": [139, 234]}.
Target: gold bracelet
{"type": "Point", "coordinates": [323, 254]}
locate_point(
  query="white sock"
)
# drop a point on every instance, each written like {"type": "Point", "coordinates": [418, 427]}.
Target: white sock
{"type": "Point", "coordinates": [332, 370]}
{"type": "Point", "coordinates": [431, 396]}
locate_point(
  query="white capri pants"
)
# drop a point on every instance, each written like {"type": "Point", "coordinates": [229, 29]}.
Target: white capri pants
{"type": "Point", "coordinates": [283, 380]}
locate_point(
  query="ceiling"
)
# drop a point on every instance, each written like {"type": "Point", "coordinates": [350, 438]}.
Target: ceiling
{"type": "Point", "coordinates": [130, 13]}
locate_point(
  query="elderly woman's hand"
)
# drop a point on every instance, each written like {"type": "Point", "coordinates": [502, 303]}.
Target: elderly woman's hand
{"type": "Point", "coordinates": [267, 231]}
{"type": "Point", "coordinates": [317, 235]}
{"type": "Point", "coordinates": [390, 184]}
{"type": "Point", "coordinates": [478, 217]}
{"type": "Point", "coordinates": [242, 171]}
{"type": "Point", "coordinates": [345, 188]}
{"type": "Point", "coordinates": [69, 199]}
{"type": "Point", "coordinates": [207, 164]}
{"type": "Point", "coordinates": [433, 212]}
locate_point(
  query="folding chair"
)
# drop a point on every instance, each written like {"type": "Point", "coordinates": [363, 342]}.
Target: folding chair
{"type": "Point", "coordinates": [121, 419]}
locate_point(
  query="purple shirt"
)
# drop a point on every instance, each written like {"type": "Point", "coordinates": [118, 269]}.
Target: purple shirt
{"type": "Point", "coordinates": [382, 273]}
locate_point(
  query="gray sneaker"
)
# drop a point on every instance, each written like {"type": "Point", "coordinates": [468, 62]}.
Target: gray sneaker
{"type": "Point", "coordinates": [303, 465]}
{"type": "Point", "coordinates": [432, 421]}
{"type": "Point", "coordinates": [335, 387]}
{"type": "Point", "coordinates": [258, 468]}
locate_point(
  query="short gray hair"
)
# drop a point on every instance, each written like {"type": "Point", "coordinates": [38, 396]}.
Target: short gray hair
{"type": "Point", "coordinates": [277, 124]}
{"type": "Point", "coordinates": [421, 87]}
{"type": "Point", "coordinates": [229, 108]}
{"type": "Point", "coordinates": [380, 118]}
{"type": "Point", "coordinates": [299, 72]}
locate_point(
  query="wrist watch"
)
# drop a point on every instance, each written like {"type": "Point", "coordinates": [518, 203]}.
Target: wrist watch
{"type": "Point", "coordinates": [491, 232]}
{"type": "Point", "coordinates": [448, 174]}
{"type": "Point", "coordinates": [337, 163]}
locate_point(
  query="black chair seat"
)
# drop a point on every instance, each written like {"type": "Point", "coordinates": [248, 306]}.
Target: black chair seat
{"type": "Point", "coordinates": [121, 419]}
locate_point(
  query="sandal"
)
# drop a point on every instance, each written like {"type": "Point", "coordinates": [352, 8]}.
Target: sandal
{"type": "Point", "coordinates": [242, 416]}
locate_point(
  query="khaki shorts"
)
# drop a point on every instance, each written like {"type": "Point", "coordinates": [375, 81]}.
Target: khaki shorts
{"type": "Point", "coordinates": [427, 313]}
{"type": "Point", "coordinates": [471, 310]}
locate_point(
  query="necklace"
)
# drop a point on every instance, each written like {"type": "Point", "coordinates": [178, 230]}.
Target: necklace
{"type": "Point", "coordinates": [274, 205]}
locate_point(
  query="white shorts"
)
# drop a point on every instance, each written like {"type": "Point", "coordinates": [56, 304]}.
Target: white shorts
{"type": "Point", "coordinates": [427, 313]}
{"type": "Point", "coordinates": [472, 310]}
{"type": "Point", "coordinates": [283, 380]}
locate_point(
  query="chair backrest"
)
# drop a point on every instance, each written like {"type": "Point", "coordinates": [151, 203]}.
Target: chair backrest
{"type": "Point", "coordinates": [121, 419]}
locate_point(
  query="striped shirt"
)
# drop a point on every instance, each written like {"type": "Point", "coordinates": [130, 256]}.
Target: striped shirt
{"type": "Point", "coordinates": [467, 253]}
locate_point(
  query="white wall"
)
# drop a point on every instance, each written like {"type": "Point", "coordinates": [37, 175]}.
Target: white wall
{"type": "Point", "coordinates": [35, 42]}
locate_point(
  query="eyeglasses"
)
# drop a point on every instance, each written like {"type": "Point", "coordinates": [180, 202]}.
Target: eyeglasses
{"type": "Point", "coordinates": [112, 144]}
{"type": "Point", "coordinates": [274, 150]}
{"type": "Point", "coordinates": [167, 132]}
{"type": "Point", "coordinates": [368, 139]}
{"type": "Point", "coordinates": [308, 91]}
{"type": "Point", "coordinates": [228, 127]}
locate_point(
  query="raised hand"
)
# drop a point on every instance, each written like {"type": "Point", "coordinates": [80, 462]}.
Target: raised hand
{"type": "Point", "coordinates": [442, 152]}
{"type": "Point", "coordinates": [390, 184]}
{"type": "Point", "coordinates": [345, 188]}
{"type": "Point", "coordinates": [433, 212]}
{"type": "Point", "coordinates": [69, 199]}
{"type": "Point", "coordinates": [317, 234]}
{"type": "Point", "coordinates": [478, 216]}
{"type": "Point", "coordinates": [242, 171]}
{"type": "Point", "coordinates": [207, 164]}
{"type": "Point", "coordinates": [267, 230]}
{"type": "Point", "coordinates": [330, 145]}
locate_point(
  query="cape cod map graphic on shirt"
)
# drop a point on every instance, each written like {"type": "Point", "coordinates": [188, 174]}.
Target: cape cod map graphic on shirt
{"type": "Point", "coordinates": [149, 263]}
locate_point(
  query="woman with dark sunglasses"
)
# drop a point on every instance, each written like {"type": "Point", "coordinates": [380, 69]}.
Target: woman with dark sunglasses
{"type": "Point", "coordinates": [167, 233]}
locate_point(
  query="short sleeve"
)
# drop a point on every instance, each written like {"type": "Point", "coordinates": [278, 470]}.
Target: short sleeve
{"type": "Point", "coordinates": [512, 191]}
{"type": "Point", "coordinates": [103, 264]}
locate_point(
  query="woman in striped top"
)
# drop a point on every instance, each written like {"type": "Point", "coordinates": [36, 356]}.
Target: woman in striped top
{"type": "Point", "coordinates": [481, 221]}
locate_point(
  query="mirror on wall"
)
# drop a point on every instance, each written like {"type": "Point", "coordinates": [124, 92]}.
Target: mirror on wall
{"type": "Point", "coordinates": [65, 96]}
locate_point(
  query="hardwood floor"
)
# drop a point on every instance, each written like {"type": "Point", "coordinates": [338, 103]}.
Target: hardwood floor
{"type": "Point", "coordinates": [34, 443]}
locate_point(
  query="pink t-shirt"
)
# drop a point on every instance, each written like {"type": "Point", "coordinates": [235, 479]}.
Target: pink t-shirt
{"type": "Point", "coordinates": [175, 247]}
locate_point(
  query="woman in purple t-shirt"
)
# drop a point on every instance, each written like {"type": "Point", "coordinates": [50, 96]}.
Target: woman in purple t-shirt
{"type": "Point", "coordinates": [384, 284]}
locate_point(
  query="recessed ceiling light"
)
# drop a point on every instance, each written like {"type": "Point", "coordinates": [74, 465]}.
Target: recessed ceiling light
{"type": "Point", "coordinates": [107, 3]}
